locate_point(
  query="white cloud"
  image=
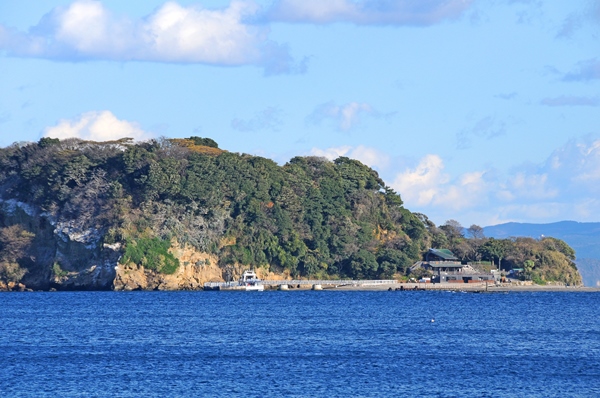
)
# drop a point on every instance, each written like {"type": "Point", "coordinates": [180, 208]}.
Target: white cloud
{"type": "Point", "coordinates": [86, 30]}
{"type": "Point", "coordinates": [345, 116]}
{"type": "Point", "coordinates": [96, 126]}
{"type": "Point", "coordinates": [565, 187]}
{"type": "Point", "coordinates": [421, 185]}
{"type": "Point", "coordinates": [368, 12]}
{"type": "Point", "coordinates": [197, 35]}
{"type": "Point", "coordinates": [576, 165]}
{"type": "Point", "coordinates": [369, 156]}
{"type": "Point", "coordinates": [331, 153]}
{"type": "Point", "coordinates": [429, 185]}
{"type": "Point", "coordinates": [533, 186]}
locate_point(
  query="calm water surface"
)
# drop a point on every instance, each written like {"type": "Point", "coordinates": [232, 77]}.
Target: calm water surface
{"type": "Point", "coordinates": [370, 344]}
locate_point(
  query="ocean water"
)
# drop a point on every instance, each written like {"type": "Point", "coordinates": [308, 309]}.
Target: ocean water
{"type": "Point", "coordinates": [311, 343]}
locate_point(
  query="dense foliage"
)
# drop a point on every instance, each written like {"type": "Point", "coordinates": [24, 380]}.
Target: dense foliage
{"type": "Point", "coordinates": [151, 253]}
{"type": "Point", "coordinates": [311, 217]}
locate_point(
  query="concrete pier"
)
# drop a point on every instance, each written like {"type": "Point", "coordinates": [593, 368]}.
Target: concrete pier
{"type": "Point", "coordinates": [303, 283]}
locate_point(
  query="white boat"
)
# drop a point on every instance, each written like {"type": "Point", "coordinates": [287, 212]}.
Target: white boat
{"type": "Point", "coordinates": [250, 282]}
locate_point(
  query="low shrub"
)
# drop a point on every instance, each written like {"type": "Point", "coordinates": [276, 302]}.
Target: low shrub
{"type": "Point", "coordinates": [151, 253]}
{"type": "Point", "coordinates": [58, 271]}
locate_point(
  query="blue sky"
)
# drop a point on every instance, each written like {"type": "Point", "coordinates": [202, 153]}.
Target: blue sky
{"type": "Point", "coordinates": [479, 111]}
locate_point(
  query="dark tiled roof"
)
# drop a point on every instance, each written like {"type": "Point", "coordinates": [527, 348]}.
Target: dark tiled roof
{"type": "Point", "coordinates": [443, 253]}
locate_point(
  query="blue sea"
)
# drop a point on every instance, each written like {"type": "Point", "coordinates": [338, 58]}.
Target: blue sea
{"type": "Point", "coordinates": [297, 344]}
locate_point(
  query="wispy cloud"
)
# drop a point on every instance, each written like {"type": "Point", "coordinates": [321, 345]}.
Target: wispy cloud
{"type": "Point", "coordinates": [487, 127]}
{"type": "Point", "coordinates": [584, 71]}
{"type": "Point", "coordinates": [567, 100]}
{"type": "Point", "coordinates": [526, 11]}
{"type": "Point", "coordinates": [368, 12]}
{"type": "Point", "coordinates": [588, 14]}
{"type": "Point", "coordinates": [345, 116]}
{"type": "Point", "coordinates": [87, 30]}
{"type": "Point", "coordinates": [96, 126]}
{"type": "Point", "coordinates": [506, 96]}
{"type": "Point", "coordinates": [267, 119]}
{"type": "Point", "coordinates": [570, 25]}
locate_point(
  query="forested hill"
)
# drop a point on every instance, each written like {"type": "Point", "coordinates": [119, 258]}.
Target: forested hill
{"type": "Point", "coordinates": [581, 236]}
{"type": "Point", "coordinates": [71, 209]}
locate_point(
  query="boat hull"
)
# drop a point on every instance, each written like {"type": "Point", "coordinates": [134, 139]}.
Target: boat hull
{"type": "Point", "coordinates": [255, 288]}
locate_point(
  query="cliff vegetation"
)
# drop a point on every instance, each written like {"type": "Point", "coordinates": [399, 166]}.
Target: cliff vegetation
{"type": "Point", "coordinates": [74, 212]}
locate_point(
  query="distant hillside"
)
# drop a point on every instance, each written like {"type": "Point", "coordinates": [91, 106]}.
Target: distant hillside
{"type": "Point", "coordinates": [583, 237]}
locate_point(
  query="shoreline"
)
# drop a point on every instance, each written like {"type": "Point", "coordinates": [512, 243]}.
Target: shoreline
{"type": "Point", "coordinates": [394, 287]}
{"type": "Point", "coordinates": [480, 288]}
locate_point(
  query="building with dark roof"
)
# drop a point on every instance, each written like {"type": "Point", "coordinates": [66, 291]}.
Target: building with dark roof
{"type": "Point", "coordinates": [447, 268]}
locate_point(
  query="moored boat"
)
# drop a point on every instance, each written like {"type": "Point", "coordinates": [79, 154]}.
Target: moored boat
{"type": "Point", "coordinates": [251, 282]}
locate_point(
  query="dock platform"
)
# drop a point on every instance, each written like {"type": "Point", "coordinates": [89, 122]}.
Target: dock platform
{"type": "Point", "coordinates": [299, 283]}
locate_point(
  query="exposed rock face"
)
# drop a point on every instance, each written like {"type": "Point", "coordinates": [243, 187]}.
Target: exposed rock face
{"type": "Point", "coordinates": [194, 270]}
{"type": "Point", "coordinates": [63, 255]}
{"type": "Point", "coordinates": [268, 275]}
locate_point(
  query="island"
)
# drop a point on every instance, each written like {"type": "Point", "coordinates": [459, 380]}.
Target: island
{"type": "Point", "coordinates": [174, 214]}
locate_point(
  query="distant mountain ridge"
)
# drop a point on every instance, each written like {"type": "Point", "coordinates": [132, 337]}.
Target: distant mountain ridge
{"type": "Point", "coordinates": [584, 237]}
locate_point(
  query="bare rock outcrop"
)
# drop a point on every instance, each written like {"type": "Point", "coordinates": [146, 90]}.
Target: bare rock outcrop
{"type": "Point", "coordinates": [64, 254]}
{"type": "Point", "coordinates": [194, 270]}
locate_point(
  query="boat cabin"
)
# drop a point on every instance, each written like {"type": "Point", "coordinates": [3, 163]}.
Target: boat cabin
{"type": "Point", "coordinates": [249, 276]}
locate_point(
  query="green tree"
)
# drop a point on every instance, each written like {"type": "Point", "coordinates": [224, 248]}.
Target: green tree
{"type": "Point", "coordinates": [204, 141]}
{"type": "Point", "coordinates": [362, 265]}
{"type": "Point", "coordinates": [495, 249]}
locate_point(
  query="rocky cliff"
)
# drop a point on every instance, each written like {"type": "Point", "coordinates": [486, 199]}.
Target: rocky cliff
{"type": "Point", "coordinates": [64, 255]}
{"type": "Point", "coordinates": [194, 270]}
